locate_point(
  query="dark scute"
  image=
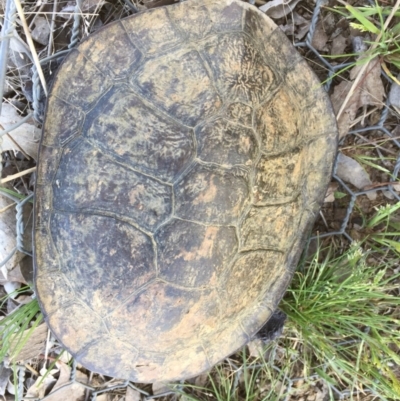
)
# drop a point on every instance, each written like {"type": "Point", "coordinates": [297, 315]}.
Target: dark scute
{"type": "Point", "coordinates": [180, 85]}
{"type": "Point", "coordinates": [104, 259]}
{"type": "Point", "coordinates": [109, 187]}
{"type": "Point", "coordinates": [139, 136]}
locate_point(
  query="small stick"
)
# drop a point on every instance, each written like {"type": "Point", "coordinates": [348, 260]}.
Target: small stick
{"type": "Point", "coordinates": [31, 369]}
{"type": "Point", "coordinates": [31, 44]}
{"type": "Point", "coordinates": [20, 174]}
{"type": "Point", "coordinates": [381, 184]}
{"type": "Point", "coordinates": [36, 14]}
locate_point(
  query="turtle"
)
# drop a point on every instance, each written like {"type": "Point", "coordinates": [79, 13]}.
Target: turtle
{"type": "Point", "coordinates": [185, 154]}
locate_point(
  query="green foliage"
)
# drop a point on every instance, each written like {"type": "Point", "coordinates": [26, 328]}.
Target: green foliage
{"type": "Point", "coordinates": [381, 22]}
{"type": "Point", "coordinates": [372, 162]}
{"type": "Point", "coordinates": [13, 193]}
{"type": "Point", "coordinates": [17, 327]}
{"type": "Point", "coordinates": [252, 380]}
{"type": "Point", "coordinates": [339, 195]}
{"type": "Point", "coordinates": [340, 309]}
{"type": "Point", "coordinates": [384, 230]}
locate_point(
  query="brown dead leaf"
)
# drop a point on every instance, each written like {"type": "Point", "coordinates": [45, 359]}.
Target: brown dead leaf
{"type": "Point", "coordinates": [369, 92]}
{"type": "Point", "coordinates": [13, 275]}
{"type": "Point", "coordinates": [201, 380]}
{"type": "Point", "coordinates": [278, 8]}
{"type": "Point", "coordinates": [322, 393]}
{"type": "Point", "coordinates": [302, 25]}
{"type": "Point", "coordinates": [64, 392]}
{"type": "Point", "coordinates": [132, 395]}
{"type": "Point", "coordinates": [160, 387]}
{"type": "Point", "coordinates": [339, 44]}
{"type": "Point", "coordinates": [21, 273]}
{"type": "Point", "coordinates": [288, 29]}
{"type": "Point", "coordinates": [25, 137]}
{"type": "Point", "coordinates": [297, 27]}
{"type": "Point", "coordinates": [320, 37]}
{"type": "Point", "coordinates": [11, 287]}
{"type": "Point", "coordinates": [40, 387]}
{"type": "Point", "coordinates": [34, 346]}
{"type": "Point", "coordinates": [65, 374]}
{"type": "Point", "coordinates": [330, 193]}
{"type": "Point", "coordinates": [323, 30]}
{"type": "Point", "coordinates": [256, 348]}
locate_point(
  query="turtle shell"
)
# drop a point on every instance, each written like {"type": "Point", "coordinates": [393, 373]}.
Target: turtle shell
{"type": "Point", "coordinates": [186, 152]}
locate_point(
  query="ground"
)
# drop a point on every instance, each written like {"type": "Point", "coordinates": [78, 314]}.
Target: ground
{"type": "Point", "coordinates": [355, 209]}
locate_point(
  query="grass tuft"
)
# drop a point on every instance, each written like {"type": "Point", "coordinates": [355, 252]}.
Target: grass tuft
{"type": "Point", "coordinates": [343, 312]}
{"type": "Point", "coordinates": [17, 327]}
{"type": "Point", "coordinates": [381, 22]}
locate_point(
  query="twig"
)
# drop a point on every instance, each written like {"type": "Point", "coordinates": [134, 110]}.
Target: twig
{"type": "Point", "coordinates": [36, 13]}
{"type": "Point", "coordinates": [20, 174]}
{"type": "Point", "coordinates": [380, 184]}
{"type": "Point", "coordinates": [53, 20]}
{"type": "Point", "coordinates": [31, 44]}
{"type": "Point", "coordinates": [33, 371]}
{"type": "Point", "coordinates": [46, 352]}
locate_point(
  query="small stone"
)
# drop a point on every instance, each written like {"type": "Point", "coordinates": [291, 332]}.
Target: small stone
{"type": "Point", "coordinates": [349, 170]}
{"type": "Point", "coordinates": [394, 94]}
{"type": "Point", "coordinates": [388, 195]}
{"type": "Point", "coordinates": [41, 32]}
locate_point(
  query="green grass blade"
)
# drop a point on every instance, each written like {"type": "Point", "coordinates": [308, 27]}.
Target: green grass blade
{"type": "Point", "coordinates": [360, 17]}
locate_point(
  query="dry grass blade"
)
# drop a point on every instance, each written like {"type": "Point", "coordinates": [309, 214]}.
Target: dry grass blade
{"type": "Point", "coordinates": [20, 174]}
{"type": "Point", "coordinates": [52, 24]}
{"type": "Point", "coordinates": [31, 44]}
